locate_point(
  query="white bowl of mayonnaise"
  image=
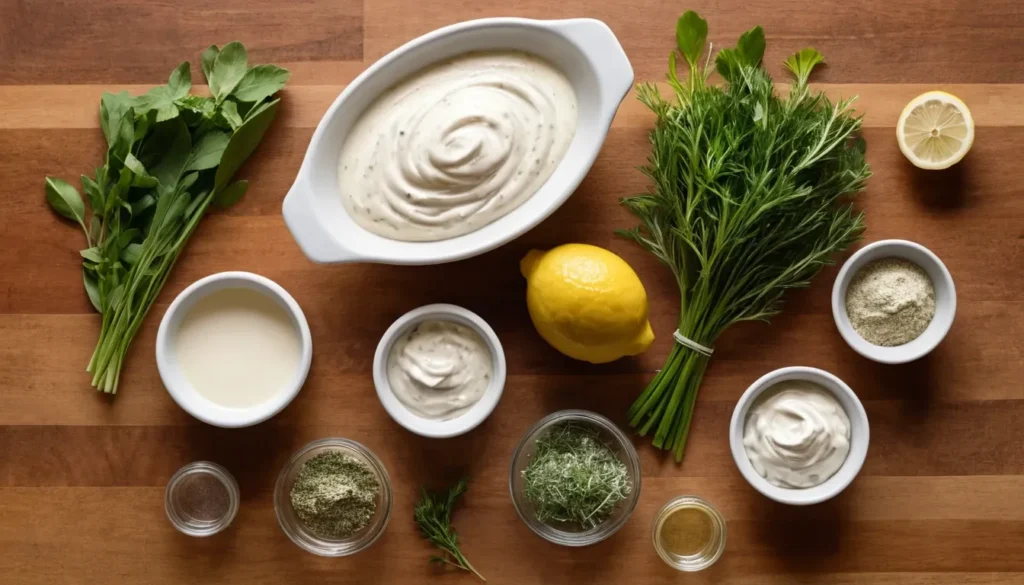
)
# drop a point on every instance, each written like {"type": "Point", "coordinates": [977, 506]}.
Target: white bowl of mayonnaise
{"type": "Point", "coordinates": [799, 435]}
{"type": "Point", "coordinates": [439, 370]}
{"type": "Point", "coordinates": [458, 141]}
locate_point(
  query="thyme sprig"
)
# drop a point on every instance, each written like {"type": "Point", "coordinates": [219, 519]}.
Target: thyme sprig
{"type": "Point", "coordinates": [433, 515]}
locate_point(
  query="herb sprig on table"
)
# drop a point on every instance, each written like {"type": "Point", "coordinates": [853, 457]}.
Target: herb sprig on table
{"type": "Point", "coordinates": [433, 515]}
{"type": "Point", "coordinates": [170, 155]}
{"type": "Point", "coordinates": [749, 199]}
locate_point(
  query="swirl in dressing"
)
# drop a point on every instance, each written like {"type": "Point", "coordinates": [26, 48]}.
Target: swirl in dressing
{"type": "Point", "coordinates": [799, 436]}
{"type": "Point", "coordinates": [440, 369]}
{"type": "Point", "coordinates": [456, 146]}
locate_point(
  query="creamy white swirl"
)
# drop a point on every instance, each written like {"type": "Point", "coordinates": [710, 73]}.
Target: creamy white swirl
{"type": "Point", "coordinates": [797, 437]}
{"type": "Point", "coordinates": [440, 369]}
{"type": "Point", "coordinates": [456, 146]}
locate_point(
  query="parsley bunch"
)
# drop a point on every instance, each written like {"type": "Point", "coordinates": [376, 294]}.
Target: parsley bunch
{"type": "Point", "coordinates": [170, 154]}
{"type": "Point", "coordinates": [749, 198]}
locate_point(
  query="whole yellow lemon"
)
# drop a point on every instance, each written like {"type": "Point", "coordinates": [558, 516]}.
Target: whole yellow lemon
{"type": "Point", "coordinates": [587, 302]}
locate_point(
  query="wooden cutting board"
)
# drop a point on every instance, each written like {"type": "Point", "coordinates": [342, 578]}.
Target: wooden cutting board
{"type": "Point", "coordinates": [940, 499]}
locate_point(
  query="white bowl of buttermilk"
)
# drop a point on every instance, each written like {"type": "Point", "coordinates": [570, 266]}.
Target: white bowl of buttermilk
{"type": "Point", "coordinates": [233, 349]}
{"type": "Point", "coordinates": [439, 370]}
{"type": "Point", "coordinates": [458, 141]}
{"type": "Point", "coordinates": [799, 435]}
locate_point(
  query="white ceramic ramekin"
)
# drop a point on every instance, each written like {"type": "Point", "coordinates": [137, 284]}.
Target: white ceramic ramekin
{"type": "Point", "coordinates": [182, 391]}
{"type": "Point", "coordinates": [945, 301]}
{"type": "Point", "coordinates": [468, 420]}
{"type": "Point", "coordinates": [584, 49]}
{"type": "Point", "coordinates": [860, 436]}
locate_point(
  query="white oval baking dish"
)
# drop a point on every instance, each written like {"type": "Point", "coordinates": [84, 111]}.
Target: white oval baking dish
{"type": "Point", "coordinates": [584, 49]}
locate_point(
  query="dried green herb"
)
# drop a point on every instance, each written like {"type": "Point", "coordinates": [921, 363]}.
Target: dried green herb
{"type": "Point", "coordinates": [433, 515]}
{"type": "Point", "coordinates": [575, 477]}
{"type": "Point", "coordinates": [335, 495]}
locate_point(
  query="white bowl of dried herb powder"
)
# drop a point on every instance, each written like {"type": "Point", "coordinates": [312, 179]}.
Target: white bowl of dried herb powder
{"type": "Point", "coordinates": [333, 497]}
{"type": "Point", "coordinates": [893, 301]}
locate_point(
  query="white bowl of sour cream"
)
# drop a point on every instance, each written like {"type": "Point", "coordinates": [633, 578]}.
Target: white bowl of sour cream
{"type": "Point", "coordinates": [439, 370]}
{"type": "Point", "coordinates": [233, 349]}
{"type": "Point", "coordinates": [458, 141]}
{"type": "Point", "coordinates": [799, 435]}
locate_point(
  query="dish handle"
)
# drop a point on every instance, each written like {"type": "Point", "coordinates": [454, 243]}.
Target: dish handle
{"type": "Point", "coordinates": [601, 46]}
{"type": "Point", "coordinates": [308, 228]}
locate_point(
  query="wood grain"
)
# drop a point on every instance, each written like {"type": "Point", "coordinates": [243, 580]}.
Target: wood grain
{"type": "Point", "coordinates": [939, 500]}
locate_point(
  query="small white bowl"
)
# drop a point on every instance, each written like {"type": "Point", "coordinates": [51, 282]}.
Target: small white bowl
{"type": "Point", "coordinates": [427, 427]}
{"type": "Point", "coordinates": [859, 436]}
{"type": "Point", "coordinates": [945, 301]}
{"type": "Point", "coordinates": [179, 387]}
{"type": "Point", "coordinates": [584, 49]}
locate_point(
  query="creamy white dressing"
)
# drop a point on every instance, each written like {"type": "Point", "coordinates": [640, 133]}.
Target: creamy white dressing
{"type": "Point", "coordinates": [439, 369]}
{"type": "Point", "coordinates": [457, 145]}
{"type": "Point", "coordinates": [798, 436]}
{"type": "Point", "coordinates": [238, 348]}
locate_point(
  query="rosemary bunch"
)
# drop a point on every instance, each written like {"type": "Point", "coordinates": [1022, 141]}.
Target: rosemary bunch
{"type": "Point", "coordinates": [749, 198]}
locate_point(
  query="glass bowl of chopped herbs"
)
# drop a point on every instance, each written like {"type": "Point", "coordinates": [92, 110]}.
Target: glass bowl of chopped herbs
{"type": "Point", "coordinates": [575, 478]}
{"type": "Point", "coordinates": [333, 497]}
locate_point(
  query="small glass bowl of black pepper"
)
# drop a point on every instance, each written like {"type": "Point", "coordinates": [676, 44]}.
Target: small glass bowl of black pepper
{"type": "Point", "coordinates": [201, 499]}
{"type": "Point", "coordinates": [563, 447]}
{"type": "Point", "coordinates": [350, 522]}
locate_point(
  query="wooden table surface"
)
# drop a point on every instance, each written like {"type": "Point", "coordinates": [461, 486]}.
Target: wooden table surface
{"type": "Point", "coordinates": [940, 499]}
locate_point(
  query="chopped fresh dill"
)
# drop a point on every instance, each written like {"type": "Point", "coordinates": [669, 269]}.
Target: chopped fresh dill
{"type": "Point", "coordinates": [575, 477]}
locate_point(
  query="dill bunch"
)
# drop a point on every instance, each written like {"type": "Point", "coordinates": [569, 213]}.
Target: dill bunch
{"type": "Point", "coordinates": [749, 198]}
{"type": "Point", "coordinates": [574, 477]}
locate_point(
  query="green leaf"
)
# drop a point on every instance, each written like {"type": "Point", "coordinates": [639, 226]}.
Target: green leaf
{"type": "Point", "coordinates": [244, 141]}
{"type": "Point", "coordinates": [91, 254]}
{"type": "Point", "coordinates": [230, 194]}
{"type": "Point", "coordinates": [727, 62]}
{"type": "Point", "coordinates": [65, 200]}
{"type": "Point", "coordinates": [142, 204]}
{"type": "Point", "coordinates": [228, 69]}
{"type": "Point", "coordinates": [131, 253]}
{"type": "Point", "coordinates": [123, 139]}
{"type": "Point", "coordinates": [691, 36]}
{"type": "Point", "coordinates": [93, 192]}
{"type": "Point", "coordinates": [229, 111]}
{"type": "Point", "coordinates": [167, 150]}
{"type": "Point", "coordinates": [92, 289]}
{"type": "Point", "coordinates": [207, 152]}
{"type": "Point", "coordinates": [141, 177]}
{"type": "Point", "coordinates": [751, 46]}
{"type": "Point", "coordinates": [260, 82]}
{"type": "Point", "coordinates": [113, 107]}
{"type": "Point", "coordinates": [160, 100]}
{"type": "Point", "coordinates": [181, 81]}
{"type": "Point", "coordinates": [803, 62]}
{"type": "Point", "coordinates": [95, 228]}
{"type": "Point", "coordinates": [208, 58]}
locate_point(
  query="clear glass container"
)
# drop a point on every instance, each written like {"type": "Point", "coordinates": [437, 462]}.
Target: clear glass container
{"type": "Point", "coordinates": [709, 553]}
{"type": "Point", "coordinates": [302, 536]}
{"type": "Point", "coordinates": [201, 499]}
{"type": "Point", "coordinates": [568, 535]}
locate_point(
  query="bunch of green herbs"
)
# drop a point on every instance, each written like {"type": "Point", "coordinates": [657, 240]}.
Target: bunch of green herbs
{"type": "Point", "coordinates": [750, 197]}
{"type": "Point", "coordinates": [433, 515]}
{"type": "Point", "coordinates": [169, 155]}
{"type": "Point", "coordinates": [574, 477]}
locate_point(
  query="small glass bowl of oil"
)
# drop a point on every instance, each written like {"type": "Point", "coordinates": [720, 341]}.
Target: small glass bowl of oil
{"type": "Point", "coordinates": [689, 534]}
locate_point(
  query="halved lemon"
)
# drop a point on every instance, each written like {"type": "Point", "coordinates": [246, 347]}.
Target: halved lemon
{"type": "Point", "coordinates": [935, 130]}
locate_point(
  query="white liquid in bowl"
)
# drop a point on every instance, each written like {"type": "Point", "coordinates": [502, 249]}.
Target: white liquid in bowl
{"type": "Point", "coordinates": [238, 347]}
